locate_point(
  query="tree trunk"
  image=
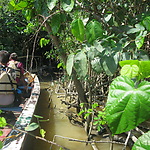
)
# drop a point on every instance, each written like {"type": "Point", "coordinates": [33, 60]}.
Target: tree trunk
{"type": "Point", "coordinates": [63, 55]}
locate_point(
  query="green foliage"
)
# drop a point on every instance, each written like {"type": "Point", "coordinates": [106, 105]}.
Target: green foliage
{"type": "Point", "coordinates": [44, 42]}
{"type": "Point", "coordinates": [146, 23]}
{"type": "Point", "coordinates": [89, 111]}
{"type": "Point", "coordinates": [51, 3]}
{"type": "Point", "coordinates": [129, 100]}
{"type": "Point", "coordinates": [139, 40]}
{"type": "Point", "coordinates": [18, 6]}
{"type": "Point", "coordinates": [93, 36]}
{"type": "Point", "coordinates": [127, 105]}
{"type": "Point", "coordinates": [67, 5]}
{"type": "Point", "coordinates": [42, 132]}
{"type": "Point", "coordinates": [29, 28]}
{"type": "Point", "coordinates": [100, 58]}
{"type": "Point", "coordinates": [77, 29]}
{"type": "Point", "coordinates": [135, 68]}
{"type": "Point", "coordinates": [1, 132]}
{"type": "Point", "coordinates": [109, 64]}
{"type": "Point", "coordinates": [55, 23]}
{"type": "Point", "coordinates": [28, 14]}
{"type": "Point", "coordinates": [93, 31]}
{"type": "Point", "coordinates": [61, 64]}
{"type": "Point", "coordinates": [31, 127]}
{"type": "Point", "coordinates": [141, 33]}
{"type": "Point", "coordinates": [143, 142]}
{"type": "Point", "coordinates": [99, 116]}
{"type": "Point", "coordinates": [3, 122]}
{"type": "Point", "coordinates": [37, 116]}
{"type": "Point", "coordinates": [69, 64]}
{"type": "Point", "coordinates": [96, 65]}
{"type": "Point", "coordinates": [100, 120]}
{"type": "Point", "coordinates": [80, 64]}
{"type": "Point", "coordinates": [1, 144]}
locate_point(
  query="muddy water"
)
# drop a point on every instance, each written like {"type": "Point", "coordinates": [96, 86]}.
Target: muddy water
{"type": "Point", "coordinates": [58, 128]}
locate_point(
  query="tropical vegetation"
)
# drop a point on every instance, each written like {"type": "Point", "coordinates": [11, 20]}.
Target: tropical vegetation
{"type": "Point", "coordinates": [103, 45]}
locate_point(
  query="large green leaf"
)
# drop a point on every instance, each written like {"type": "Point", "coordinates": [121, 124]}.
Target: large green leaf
{"type": "Point", "coordinates": [93, 31]}
{"type": "Point", "coordinates": [143, 142]}
{"type": "Point", "coordinates": [77, 29]}
{"type": "Point", "coordinates": [80, 63]}
{"type": "Point", "coordinates": [127, 106]}
{"type": "Point", "coordinates": [67, 5]}
{"type": "Point", "coordinates": [51, 4]}
{"type": "Point", "coordinates": [55, 23]}
{"type": "Point", "coordinates": [69, 64]}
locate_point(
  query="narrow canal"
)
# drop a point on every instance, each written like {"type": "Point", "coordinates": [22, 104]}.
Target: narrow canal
{"type": "Point", "coordinates": [58, 128]}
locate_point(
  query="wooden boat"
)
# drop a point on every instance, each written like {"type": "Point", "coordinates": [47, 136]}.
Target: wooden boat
{"type": "Point", "coordinates": [13, 139]}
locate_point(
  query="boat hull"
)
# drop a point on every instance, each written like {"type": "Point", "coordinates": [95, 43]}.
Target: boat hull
{"type": "Point", "coordinates": [17, 138]}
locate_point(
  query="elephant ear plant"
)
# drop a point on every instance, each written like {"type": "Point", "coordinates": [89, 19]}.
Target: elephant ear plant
{"type": "Point", "coordinates": [128, 103]}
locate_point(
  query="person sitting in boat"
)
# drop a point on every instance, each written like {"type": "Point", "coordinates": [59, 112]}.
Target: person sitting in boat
{"type": "Point", "coordinates": [18, 67]}
{"type": "Point", "coordinates": [7, 81]}
{"type": "Point", "coordinates": [23, 83]}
